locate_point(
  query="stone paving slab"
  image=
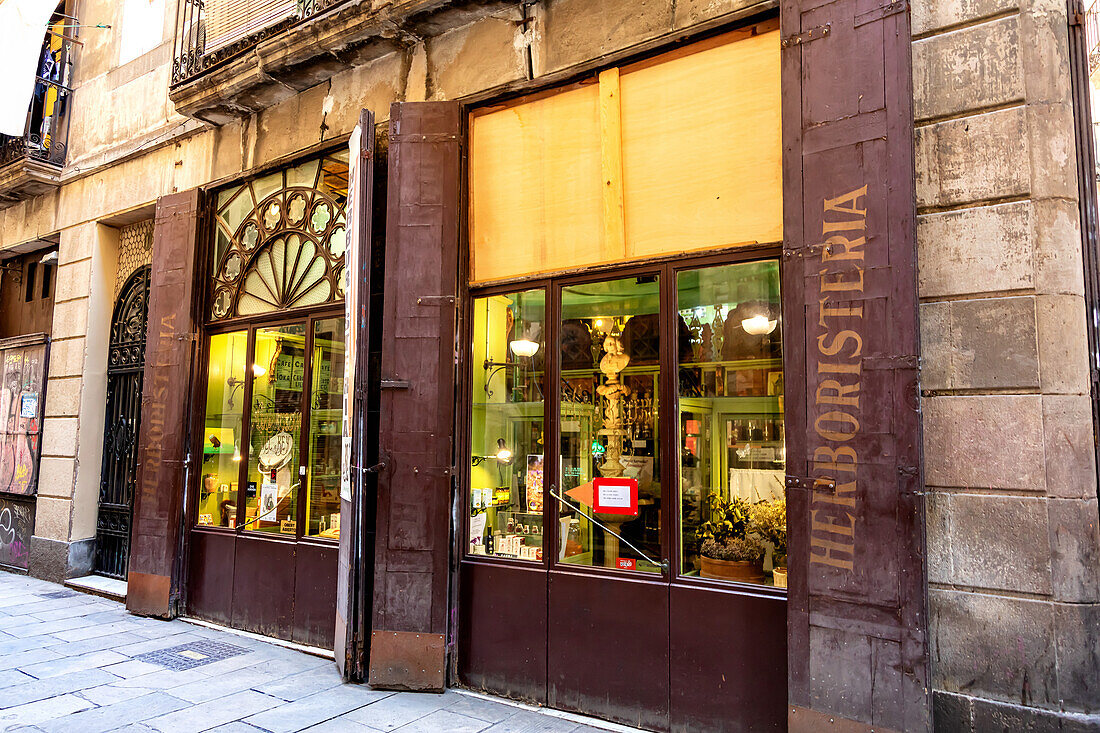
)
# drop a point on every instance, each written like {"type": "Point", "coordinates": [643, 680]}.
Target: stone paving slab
{"type": "Point", "coordinates": [75, 663]}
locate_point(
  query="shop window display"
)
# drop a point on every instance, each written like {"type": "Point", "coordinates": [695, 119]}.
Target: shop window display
{"type": "Point", "coordinates": [223, 433]}
{"type": "Point", "coordinates": [726, 441]}
{"type": "Point", "coordinates": [610, 378]}
{"type": "Point", "coordinates": [731, 442]}
{"type": "Point", "coordinates": [275, 426]}
{"type": "Point", "coordinates": [260, 417]}
{"type": "Point", "coordinates": [507, 491]}
{"type": "Point", "coordinates": [271, 444]}
{"type": "Point", "coordinates": [326, 413]}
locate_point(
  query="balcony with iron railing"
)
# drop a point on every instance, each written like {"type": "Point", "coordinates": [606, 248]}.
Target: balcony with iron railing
{"type": "Point", "coordinates": [30, 164]}
{"type": "Point", "coordinates": [210, 33]}
{"type": "Point", "coordinates": [233, 58]}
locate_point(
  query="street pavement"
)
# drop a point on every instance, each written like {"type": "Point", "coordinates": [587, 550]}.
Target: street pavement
{"type": "Point", "coordinates": [75, 662]}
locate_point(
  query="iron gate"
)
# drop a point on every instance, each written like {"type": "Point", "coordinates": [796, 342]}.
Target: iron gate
{"type": "Point", "coordinates": [125, 369]}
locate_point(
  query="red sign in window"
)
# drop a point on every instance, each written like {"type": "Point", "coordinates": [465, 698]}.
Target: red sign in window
{"type": "Point", "coordinates": [615, 496]}
{"type": "Point", "coordinates": [627, 563]}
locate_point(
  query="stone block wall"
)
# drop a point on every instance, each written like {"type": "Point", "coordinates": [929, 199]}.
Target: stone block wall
{"type": "Point", "coordinates": [1012, 514]}
{"type": "Point", "coordinates": [63, 544]}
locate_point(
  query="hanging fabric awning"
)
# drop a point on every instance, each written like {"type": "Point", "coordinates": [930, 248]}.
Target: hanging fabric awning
{"type": "Point", "coordinates": [22, 28]}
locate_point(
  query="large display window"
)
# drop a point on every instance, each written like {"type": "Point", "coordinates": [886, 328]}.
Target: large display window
{"type": "Point", "coordinates": [275, 354]}
{"type": "Point", "coordinates": [669, 439]}
{"type": "Point", "coordinates": [264, 510]}
{"type": "Point", "coordinates": [271, 427]}
{"type": "Point", "coordinates": [507, 491]}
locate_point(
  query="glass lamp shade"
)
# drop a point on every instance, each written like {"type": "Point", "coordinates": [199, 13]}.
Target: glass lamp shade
{"type": "Point", "coordinates": [759, 325]}
{"type": "Point", "coordinates": [524, 347]}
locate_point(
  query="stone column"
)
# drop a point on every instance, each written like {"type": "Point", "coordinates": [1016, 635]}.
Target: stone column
{"type": "Point", "coordinates": [72, 429]}
{"type": "Point", "coordinates": [1012, 513]}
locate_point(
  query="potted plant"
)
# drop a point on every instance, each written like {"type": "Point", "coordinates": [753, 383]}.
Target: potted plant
{"type": "Point", "coordinates": [768, 519]}
{"type": "Point", "coordinates": [727, 550]}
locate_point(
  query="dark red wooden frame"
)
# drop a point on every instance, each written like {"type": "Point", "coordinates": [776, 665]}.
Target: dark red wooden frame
{"type": "Point", "coordinates": [712, 627]}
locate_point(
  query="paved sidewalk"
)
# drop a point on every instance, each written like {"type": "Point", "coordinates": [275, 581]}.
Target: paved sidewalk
{"type": "Point", "coordinates": [75, 662]}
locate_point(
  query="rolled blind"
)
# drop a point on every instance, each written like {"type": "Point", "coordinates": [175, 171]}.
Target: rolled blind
{"type": "Point", "coordinates": [231, 20]}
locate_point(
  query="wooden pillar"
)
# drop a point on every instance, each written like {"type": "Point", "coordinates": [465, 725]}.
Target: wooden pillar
{"type": "Point", "coordinates": [415, 488]}
{"type": "Point", "coordinates": [164, 436]}
{"type": "Point", "coordinates": [857, 619]}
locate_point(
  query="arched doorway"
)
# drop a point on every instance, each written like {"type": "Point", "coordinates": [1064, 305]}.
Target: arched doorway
{"type": "Point", "coordinates": [125, 370]}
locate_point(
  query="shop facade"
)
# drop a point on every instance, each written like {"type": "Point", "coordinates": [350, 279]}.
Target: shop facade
{"type": "Point", "coordinates": [570, 353]}
{"type": "Point", "coordinates": [617, 419]}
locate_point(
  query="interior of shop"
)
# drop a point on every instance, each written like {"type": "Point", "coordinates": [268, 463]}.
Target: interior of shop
{"type": "Point", "coordinates": [280, 468]}
{"type": "Point", "coordinates": [729, 458]}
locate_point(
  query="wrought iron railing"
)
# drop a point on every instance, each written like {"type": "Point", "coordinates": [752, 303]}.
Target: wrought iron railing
{"type": "Point", "coordinates": [47, 132]}
{"type": "Point", "coordinates": [193, 55]}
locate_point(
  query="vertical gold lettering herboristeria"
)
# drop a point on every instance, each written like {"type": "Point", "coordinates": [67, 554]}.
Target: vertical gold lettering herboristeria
{"type": "Point", "coordinates": [836, 410]}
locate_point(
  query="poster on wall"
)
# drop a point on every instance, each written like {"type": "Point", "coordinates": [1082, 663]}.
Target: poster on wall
{"type": "Point", "coordinates": [269, 502]}
{"type": "Point", "coordinates": [23, 369]}
{"type": "Point", "coordinates": [534, 484]}
{"type": "Point", "coordinates": [16, 528]}
{"type": "Point", "coordinates": [352, 308]}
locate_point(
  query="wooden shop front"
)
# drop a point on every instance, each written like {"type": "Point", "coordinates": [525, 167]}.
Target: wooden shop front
{"type": "Point", "coordinates": [623, 392]}
{"type": "Point", "coordinates": [264, 517]}
{"type": "Point", "coordinates": [624, 332]}
{"type": "Point", "coordinates": [638, 328]}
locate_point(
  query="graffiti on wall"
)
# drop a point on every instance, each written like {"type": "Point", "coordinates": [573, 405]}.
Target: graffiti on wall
{"type": "Point", "coordinates": [16, 528]}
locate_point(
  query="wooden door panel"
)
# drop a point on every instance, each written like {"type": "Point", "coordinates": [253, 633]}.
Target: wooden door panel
{"type": "Point", "coordinates": [857, 608]}
{"type": "Point", "coordinates": [502, 630]}
{"type": "Point", "coordinates": [210, 576]}
{"type": "Point", "coordinates": [412, 546]}
{"type": "Point", "coordinates": [608, 648]}
{"type": "Point", "coordinates": [315, 595]}
{"type": "Point", "coordinates": [728, 661]}
{"type": "Point", "coordinates": [263, 587]}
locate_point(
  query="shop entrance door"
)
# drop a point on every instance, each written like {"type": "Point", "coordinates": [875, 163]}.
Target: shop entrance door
{"type": "Point", "coordinates": [264, 543]}
{"type": "Point", "coordinates": [118, 477]}
{"type": "Point", "coordinates": [656, 528]}
{"type": "Point", "coordinates": [264, 499]}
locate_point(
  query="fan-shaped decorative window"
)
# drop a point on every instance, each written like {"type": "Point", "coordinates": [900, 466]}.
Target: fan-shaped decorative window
{"type": "Point", "coordinates": [280, 240]}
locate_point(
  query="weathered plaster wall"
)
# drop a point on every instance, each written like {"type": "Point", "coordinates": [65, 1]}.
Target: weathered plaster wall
{"type": "Point", "coordinates": [1012, 514]}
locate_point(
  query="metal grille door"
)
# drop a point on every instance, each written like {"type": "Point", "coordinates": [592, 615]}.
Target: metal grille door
{"type": "Point", "coordinates": [125, 369]}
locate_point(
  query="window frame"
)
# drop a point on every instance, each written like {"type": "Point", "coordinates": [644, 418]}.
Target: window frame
{"type": "Point", "coordinates": [250, 325]}
{"type": "Point", "coordinates": [667, 269]}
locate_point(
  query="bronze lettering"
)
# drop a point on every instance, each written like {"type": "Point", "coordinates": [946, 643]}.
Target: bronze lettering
{"type": "Point", "coordinates": [838, 341]}
{"type": "Point", "coordinates": [830, 547]}
{"type": "Point", "coordinates": [839, 284]}
{"type": "Point", "coordinates": [852, 198]}
{"type": "Point", "coordinates": [828, 525]}
{"type": "Point", "coordinates": [837, 417]}
{"type": "Point", "coordinates": [825, 452]}
{"type": "Point", "coordinates": [837, 312]}
{"type": "Point", "coordinates": [843, 248]}
{"type": "Point", "coordinates": [834, 513]}
{"type": "Point", "coordinates": [832, 392]}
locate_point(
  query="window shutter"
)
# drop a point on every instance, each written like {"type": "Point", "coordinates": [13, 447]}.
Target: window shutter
{"type": "Point", "coordinates": [357, 502]}
{"type": "Point", "coordinates": [230, 20]}
{"type": "Point", "coordinates": [164, 437]}
{"type": "Point", "coordinates": [857, 617]}
{"type": "Point", "coordinates": [415, 487]}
